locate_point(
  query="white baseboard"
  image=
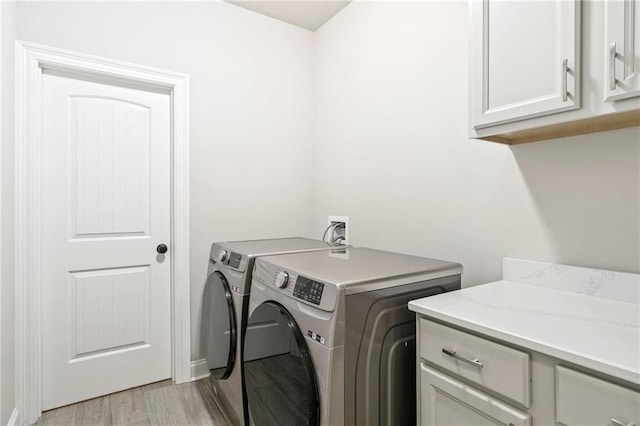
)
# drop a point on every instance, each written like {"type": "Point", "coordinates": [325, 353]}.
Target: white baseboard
{"type": "Point", "coordinates": [13, 420]}
{"type": "Point", "coordinates": [199, 369]}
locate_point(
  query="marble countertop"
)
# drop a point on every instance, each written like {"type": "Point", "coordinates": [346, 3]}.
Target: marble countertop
{"type": "Point", "coordinates": [585, 316]}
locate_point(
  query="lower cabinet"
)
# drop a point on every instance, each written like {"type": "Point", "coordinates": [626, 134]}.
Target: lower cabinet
{"type": "Point", "coordinates": [447, 401]}
{"type": "Point", "coordinates": [584, 400]}
{"type": "Point", "coordinates": [467, 379]}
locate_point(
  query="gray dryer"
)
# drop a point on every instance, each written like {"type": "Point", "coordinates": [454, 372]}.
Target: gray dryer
{"type": "Point", "coordinates": [350, 357]}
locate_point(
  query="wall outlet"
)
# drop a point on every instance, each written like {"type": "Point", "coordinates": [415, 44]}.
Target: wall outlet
{"type": "Point", "coordinates": [340, 233]}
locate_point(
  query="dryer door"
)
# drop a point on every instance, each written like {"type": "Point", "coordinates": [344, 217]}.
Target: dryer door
{"type": "Point", "coordinates": [280, 384]}
{"type": "Point", "coordinates": [219, 332]}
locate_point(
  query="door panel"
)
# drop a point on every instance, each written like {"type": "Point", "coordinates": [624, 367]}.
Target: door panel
{"type": "Point", "coordinates": [506, 86]}
{"type": "Point", "coordinates": [111, 310]}
{"type": "Point", "coordinates": [110, 147]}
{"type": "Point", "coordinates": [106, 206]}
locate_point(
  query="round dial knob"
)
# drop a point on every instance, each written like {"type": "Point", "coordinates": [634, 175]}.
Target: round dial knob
{"type": "Point", "coordinates": [223, 256]}
{"type": "Point", "coordinates": [282, 279]}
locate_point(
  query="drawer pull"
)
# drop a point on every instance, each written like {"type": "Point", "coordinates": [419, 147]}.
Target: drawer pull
{"type": "Point", "coordinates": [474, 362]}
{"type": "Point", "coordinates": [619, 423]}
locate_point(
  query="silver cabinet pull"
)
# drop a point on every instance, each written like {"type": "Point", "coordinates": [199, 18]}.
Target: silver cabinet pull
{"type": "Point", "coordinates": [565, 71]}
{"type": "Point", "coordinates": [618, 422]}
{"type": "Point", "coordinates": [612, 67]}
{"type": "Point", "coordinates": [453, 354]}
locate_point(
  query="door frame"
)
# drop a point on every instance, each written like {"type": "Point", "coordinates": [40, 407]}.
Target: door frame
{"type": "Point", "coordinates": [31, 59]}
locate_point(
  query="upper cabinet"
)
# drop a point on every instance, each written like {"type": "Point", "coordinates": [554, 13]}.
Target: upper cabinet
{"type": "Point", "coordinates": [526, 59]}
{"type": "Point", "coordinates": [537, 69]}
{"type": "Point", "coordinates": [622, 49]}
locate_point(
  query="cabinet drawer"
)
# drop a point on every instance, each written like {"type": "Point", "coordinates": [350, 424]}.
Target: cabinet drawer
{"type": "Point", "coordinates": [584, 400]}
{"type": "Point", "coordinates": [447, 401]}
{"type": "Point", "coordinates": [497, 367]}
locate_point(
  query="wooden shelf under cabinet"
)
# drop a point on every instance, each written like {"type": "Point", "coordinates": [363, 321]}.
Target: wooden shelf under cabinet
{"type": "Point", "coordinates": [603, 123]}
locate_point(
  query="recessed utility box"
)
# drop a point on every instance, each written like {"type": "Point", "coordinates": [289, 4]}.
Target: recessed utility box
{"type": "Point", "coordinates": [340, 233]}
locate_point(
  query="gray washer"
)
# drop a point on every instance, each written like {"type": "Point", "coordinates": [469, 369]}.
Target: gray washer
{"type": "Point", "coordinates": [346, 350]}
{"type": "Point", "coordinates": [224, 311]}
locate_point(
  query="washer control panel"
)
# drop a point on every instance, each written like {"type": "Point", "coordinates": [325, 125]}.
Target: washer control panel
{"type": "Point", "coordinates": [234, 260]}
{"type": "Point", "coordinates": [308, 289]}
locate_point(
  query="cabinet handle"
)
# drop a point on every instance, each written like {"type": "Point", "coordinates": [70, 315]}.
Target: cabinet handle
{"type": "Point", "coordinates": [565, 71]}
{"type": "Point", "coordinates": [453, 354]}
{"type": "Point", "coordinates": [612, 66]}
{"type": "Point", "coordinates": [618, 422]}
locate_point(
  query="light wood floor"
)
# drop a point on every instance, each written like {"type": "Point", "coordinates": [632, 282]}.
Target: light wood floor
{"type": "Point", "coordinates": [162, 404]}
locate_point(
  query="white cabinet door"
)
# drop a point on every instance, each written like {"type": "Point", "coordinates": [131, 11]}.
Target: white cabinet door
{"type": "Point", "coordinates": [446, 401]}
{"type": "Point", "coordinates": [106, 206]}
{"type": "Point", "coordinates": [525, 59]}
{"type": "Point", "coordinates": [582, 400]}
{"type": "Point", "coordinates": [622, 49]}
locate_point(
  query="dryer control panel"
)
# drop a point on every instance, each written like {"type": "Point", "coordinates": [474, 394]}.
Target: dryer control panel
{"type": "Point", "coordinates": [234, 260]}
{"type": "Point", "coordinates": [308, 289]}
{"type": "Point", "coordinates": [315, 293]}
{"type": "Point", "coordinates": [224, 256]}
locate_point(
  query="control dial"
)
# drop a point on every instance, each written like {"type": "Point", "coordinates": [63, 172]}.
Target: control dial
{"type": "Point", "coordinates": [223, 256]}
{"type": "Point", "coordinates": [282, 279]}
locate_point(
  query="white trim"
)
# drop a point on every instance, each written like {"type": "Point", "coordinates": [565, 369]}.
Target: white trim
{"type": "Point", "coordinates": [2, 59]}
{"type": "Point", "coordinates": [30, 60]}
{"type": "Point", "coordinates": [13, 420]}
{"type": "Point", "coordinates": [199, 369]}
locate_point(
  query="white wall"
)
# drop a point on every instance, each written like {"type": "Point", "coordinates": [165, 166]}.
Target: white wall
{"type": "Point", "coordinates": [393, 154]}
{"type": "Point", "coordinates": [251, 88]}
{"type": "Point", "coordinates": [382, 89]}
{"type": "Point", "coordinates": [7, 311]}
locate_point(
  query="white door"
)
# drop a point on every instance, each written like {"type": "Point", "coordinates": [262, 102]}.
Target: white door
{"type": "Point", "coordinates": [622, 49]}
{"type": "Point", "coordinates": [524, 59]}
{"type": "Point", "coordinates": [106, 207]}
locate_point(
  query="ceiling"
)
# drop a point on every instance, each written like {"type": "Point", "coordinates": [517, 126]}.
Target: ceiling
{"type": "Point", "coordinates": [309, 14]}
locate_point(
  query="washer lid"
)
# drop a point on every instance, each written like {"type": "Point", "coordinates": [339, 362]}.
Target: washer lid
{"type": "Point", "coordinates": [353, 266]}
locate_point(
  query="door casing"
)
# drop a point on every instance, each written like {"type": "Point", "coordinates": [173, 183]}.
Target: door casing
{"type": "Point", "coordinates": [31, 59]}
